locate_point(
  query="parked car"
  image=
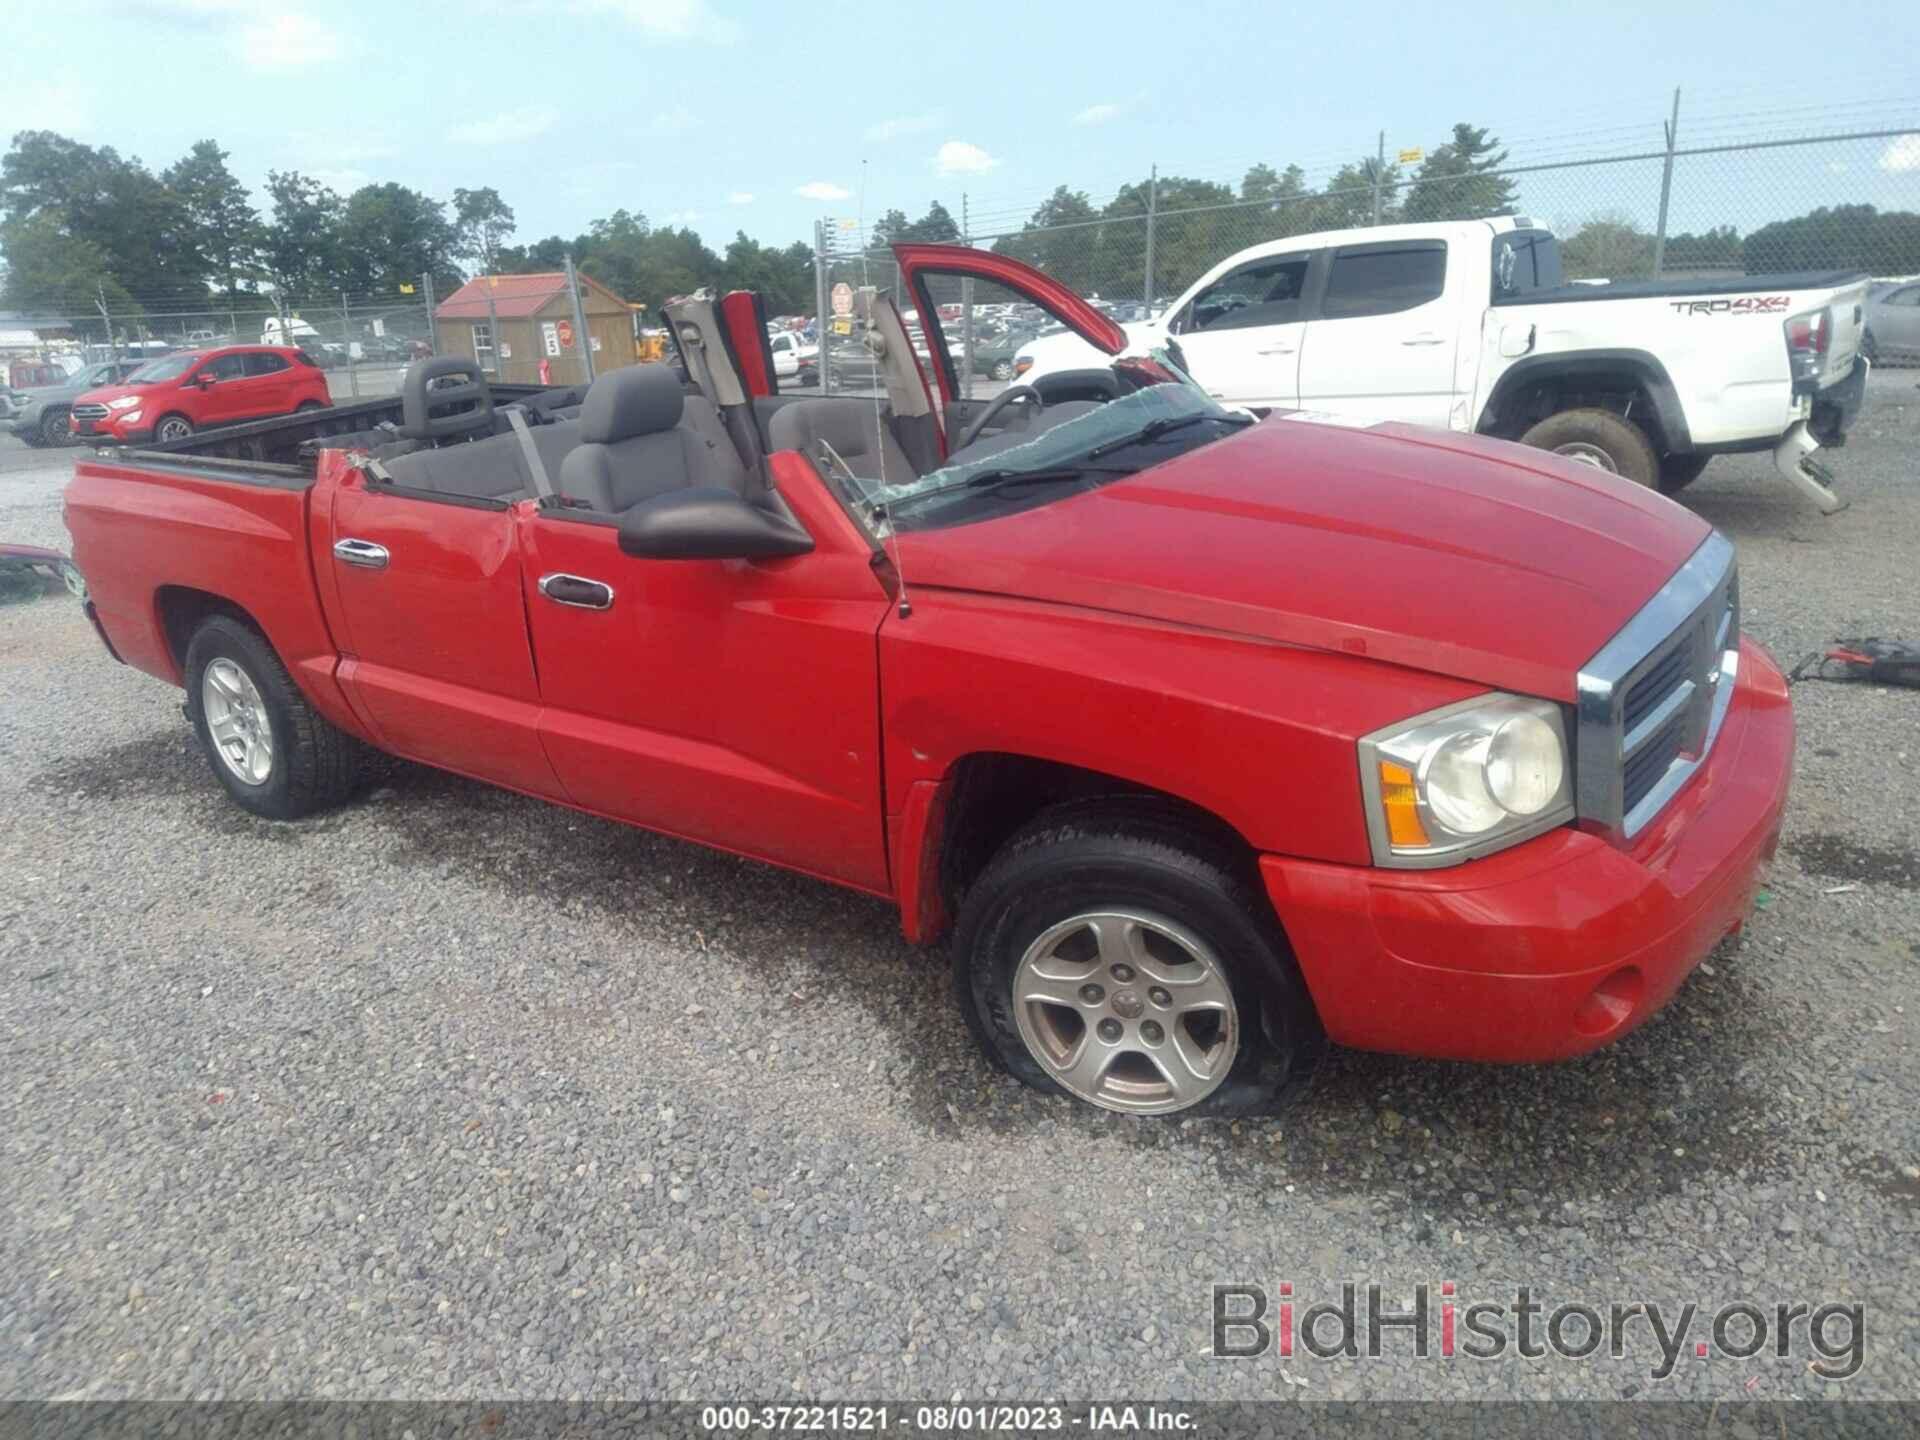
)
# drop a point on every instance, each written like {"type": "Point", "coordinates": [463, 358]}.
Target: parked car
{"type": "Point", "coordinates": [1892, 323]}
{"type": "Point", "coordinates": [993, 354]}
{"type": "Point", "coordinates": [794, 358]}
{"type": "Point", "coordinates": [39, 415]}
{"type": "Point", "coordinates": [169, 399]}
{"type": "Point", "coordinates": [1204, 738]}
{"type": "Point", "coordinates": [1467, 326]}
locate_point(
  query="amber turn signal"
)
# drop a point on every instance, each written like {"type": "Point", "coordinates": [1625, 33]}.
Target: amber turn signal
{"type": "Point", "coordinates": [1401, 801]}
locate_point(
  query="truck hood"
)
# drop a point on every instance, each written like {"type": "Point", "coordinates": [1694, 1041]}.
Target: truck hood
{"type": "Point", "coordinates": [1452, 554]}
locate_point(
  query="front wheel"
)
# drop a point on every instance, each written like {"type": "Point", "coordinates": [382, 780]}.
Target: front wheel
{"type": "Point", "coordinates": [1003, 370]}
{"type": "Point", "coordinates": [305, 405]}
{"type": "Point", "coordinates": [1601, 439]}
{"type": "Point", "coordinates": [171, 428]}
{"type": "Point", "coordinates": [1114, 953]}
{"type": "Point", "coordinates": [53, 428]}
{"type": "Point", "coordinates": [273, 753]}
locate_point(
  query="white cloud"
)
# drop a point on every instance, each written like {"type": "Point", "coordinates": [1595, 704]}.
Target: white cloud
{"type": "Point", "coordinates": [957, 157]}
{"type": "Point", "coordinates": [1902, 153]}
{"type": "Point", "coordinates": [678, 219]}
{"type": "Point", "coordinates": [288, 41]}
{"type": "Point", "coordinates": [903, 125]}
{"type": "Point", "coordinates": [504, 128]}
{"type": "Point", "coordinates": [676, 121]}
{"type": "Point", "coordinates": [740, 197]}
{"type": "Point", "coordinates": [667, 19]}
{"type": "Point", "coordinates": [822, 190]}
{"type": "Point", "coordinates": [1098, 114]}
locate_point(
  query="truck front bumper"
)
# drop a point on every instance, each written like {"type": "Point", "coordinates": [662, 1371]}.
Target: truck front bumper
{"type": "Point", "coordinates": [1559, 945]}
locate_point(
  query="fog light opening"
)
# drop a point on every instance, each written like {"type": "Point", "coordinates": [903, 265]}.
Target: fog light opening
{"type": "Point", "coordinates": [1611, 1004]}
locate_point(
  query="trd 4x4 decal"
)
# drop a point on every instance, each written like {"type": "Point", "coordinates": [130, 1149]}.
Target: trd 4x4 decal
{"type": "Point", "coordinates": [1744, 305]}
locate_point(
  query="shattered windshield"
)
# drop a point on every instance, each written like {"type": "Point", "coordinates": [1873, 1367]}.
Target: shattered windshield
{"type": "Point", "coordinates": [1094, 444]}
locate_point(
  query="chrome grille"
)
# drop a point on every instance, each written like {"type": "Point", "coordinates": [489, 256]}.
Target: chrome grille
{"type": "Point", "coordinates": [89, 412]}
{"type": "Point", "coordinates": [1651, 701]}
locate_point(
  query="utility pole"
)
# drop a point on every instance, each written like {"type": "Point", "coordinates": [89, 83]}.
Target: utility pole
{"type": "Point", "coordinates": [346, 339]}
{"type": "Point", "coordinates": [1379, 174]}
{"type": "Point", "coordinates": [580, 335]}
{"type": "Point", "coordinates": [433, 323]}
{"type": "Point", "coordinates": [820, 302]}
{"type": "Point", "coordinates": [1666, 185]}
{"type": "Point", "coordinates": [966, 306]}
{"type": "Point", "coordinates": [1153, 204]}
{"type": "Point", "coordinates": [100, 294]}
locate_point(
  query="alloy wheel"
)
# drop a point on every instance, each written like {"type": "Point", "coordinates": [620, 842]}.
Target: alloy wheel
{"type": "Point", "coordinates": [237, 721]}
{"type": "Point", "coordinates": [1128, 1011]}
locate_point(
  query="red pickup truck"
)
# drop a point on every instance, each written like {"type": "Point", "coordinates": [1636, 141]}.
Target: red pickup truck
{"type": "Point", "coordinates": [1208, 736]}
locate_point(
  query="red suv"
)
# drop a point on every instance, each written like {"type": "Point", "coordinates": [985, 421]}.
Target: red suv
{"type": "Point", "coordinates": [170, 398]}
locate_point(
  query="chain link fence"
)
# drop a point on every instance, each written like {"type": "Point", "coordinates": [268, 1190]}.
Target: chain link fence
{"type": "Point", "coordinates": [1848, 201]}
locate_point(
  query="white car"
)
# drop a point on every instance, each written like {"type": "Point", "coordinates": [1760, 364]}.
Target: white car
{"type": "Point", "coordinates": [1468, 326]}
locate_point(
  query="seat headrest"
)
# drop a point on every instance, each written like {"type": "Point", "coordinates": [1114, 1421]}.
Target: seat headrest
{"type": "Point", "coordinates": [635, 400]}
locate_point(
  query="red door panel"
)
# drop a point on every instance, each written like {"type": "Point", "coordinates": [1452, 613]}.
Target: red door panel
{"type": "Point", "coordinates": [727, 701]}
{"type": "Point", "coordinates": [436, 637]}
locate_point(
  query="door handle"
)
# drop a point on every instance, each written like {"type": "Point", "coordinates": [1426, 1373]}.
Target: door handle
{"type": "Point", "coordinates": [1425, 337]}
{"type": "Point", "coordinates": [577, 591]}
{"type": "Point", "coordinates": [364, 553]}
{"type": "Point", "coordinates": [1275, 350]}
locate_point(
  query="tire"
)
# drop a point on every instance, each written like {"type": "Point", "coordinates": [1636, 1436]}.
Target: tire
{"type": "Point", "coordinates": [169, 428]}
{"type": "Point", "coordinates": [308, 764]}
{"type": "Point", "coordinates": [1159, 882]}
{"type": "Point", "coordinates": [1599, 438]}
{"type": "Point", "coordinates": [1679, 471]}
{"type": "Point", "coordinates": [1870, 347]}
{"type": "Point", "coordinates": [53, 429]}
{"type": "Point", "coordinates": [305, 405]}
{"type": "Point", "coordinates": [1003, 370]}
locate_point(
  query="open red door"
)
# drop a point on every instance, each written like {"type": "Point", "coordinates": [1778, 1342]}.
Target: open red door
{"type": "Point", "coordinates": [968, 310]}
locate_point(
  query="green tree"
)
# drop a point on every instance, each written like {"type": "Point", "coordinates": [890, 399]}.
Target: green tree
{"type": "Point", "coordinates": [50, 271]}
{"type": "Point", "coordinates": [1607, 248]}
{"type": "Point", "coordinates": [482, 221]}
{"type": "Point", "coordinates": [301, 247]}
{"type": "Point", "coordinates": [389, 236]}
{"type": "Point", "coordinates": [139, 229]}
{"type": "Point", "coordinates": [1071, 255]}
{"type": "Point", "coordinates": [1844, 237]}
{"type": "Point", "coordinates": [1717, 248]}
{"type": "Point", "coordinates": [1459, 180]}
{"type": "Point", "coordinates": [889, 228]}
{"type": "Point", "coordinates": [936, 227]}
{"type": "Point", "coordinates": [225, 225]}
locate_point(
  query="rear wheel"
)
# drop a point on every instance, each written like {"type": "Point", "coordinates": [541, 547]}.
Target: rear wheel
{"type": "Point", "coordinates": [1599, 438]}
{"type": "Point", "coordinates": [306, 405]}
{"type": "Point", "coordinates": [1870, 347]}
{"type": "Point", "coordinates": [1116, 954]}
{"type": "Point", "coordinates": [172, 427]}
{"type": "Point", "coordinates": [1679, 471]}
{"type": "Point", "coordinates": [268, 747]}
{"type": "Point", "coordinates": [53, 428]}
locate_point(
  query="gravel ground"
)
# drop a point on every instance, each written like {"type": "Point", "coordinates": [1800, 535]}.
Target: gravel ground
{"type": "Point", "coordinates": [451, 1093]}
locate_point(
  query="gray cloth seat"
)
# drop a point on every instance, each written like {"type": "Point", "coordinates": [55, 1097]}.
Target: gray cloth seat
{"type": "Point", "coordinates": [491, 469]}
{"type": "Point", "coordinates": [642, 435]}
{"type": "Point", "coordinates": [852, 427]}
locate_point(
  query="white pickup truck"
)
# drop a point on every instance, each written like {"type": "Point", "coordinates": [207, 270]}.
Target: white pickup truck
{"type": "Point", "coordinates": [1469, 326]}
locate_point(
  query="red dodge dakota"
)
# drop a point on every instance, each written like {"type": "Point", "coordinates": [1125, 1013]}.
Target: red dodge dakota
{"type": "Point", "coordinates": [1208, 736]}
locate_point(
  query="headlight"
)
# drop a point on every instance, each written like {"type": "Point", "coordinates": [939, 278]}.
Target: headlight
{"type": "Point", "coordinates": [123, 402]}
{"type": "Point", "coordinates": [1021, 364]}
{"type": "Point", "coordinates": [1466, 780]}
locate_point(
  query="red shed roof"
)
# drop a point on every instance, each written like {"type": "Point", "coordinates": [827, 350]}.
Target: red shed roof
{"type": "Point", "coordinates": [514, 296]}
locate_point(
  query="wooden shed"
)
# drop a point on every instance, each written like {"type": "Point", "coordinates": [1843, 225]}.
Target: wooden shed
{"type": "Point", "coordinates": [510, 323]}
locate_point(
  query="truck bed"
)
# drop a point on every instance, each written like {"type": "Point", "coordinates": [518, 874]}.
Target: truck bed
{"type": "Point", "coordinates": [288, 439]}
{"type": "Point", "coordinates": [1686, 289]}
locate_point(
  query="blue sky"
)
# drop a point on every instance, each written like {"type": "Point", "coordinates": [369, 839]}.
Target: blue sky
{"type": "Point", "coordinates": [727, 114]}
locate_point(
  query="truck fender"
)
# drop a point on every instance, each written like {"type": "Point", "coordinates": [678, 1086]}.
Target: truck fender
{"type": "Point", "coordinates": [1597, 368]}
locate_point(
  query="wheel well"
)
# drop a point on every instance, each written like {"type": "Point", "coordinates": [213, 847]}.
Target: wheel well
{"type": "Point", "coordinates": [183, 610]}
{"type": "Point", "coordinates": [994, 794]}
{"type": "Point", "coordinates": [1622, 392]}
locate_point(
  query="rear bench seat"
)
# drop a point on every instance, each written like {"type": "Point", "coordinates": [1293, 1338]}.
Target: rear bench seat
{"type": "Point", "coordinates": [490, 469]}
